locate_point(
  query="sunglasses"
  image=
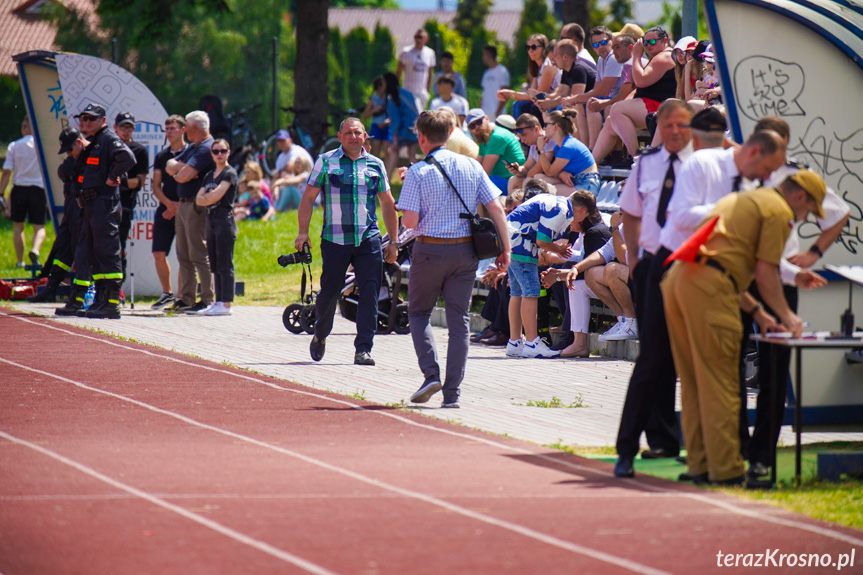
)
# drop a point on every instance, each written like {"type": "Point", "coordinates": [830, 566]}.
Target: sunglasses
{"type": "Point", "coordinates": [475, 124]}
{"type": "Point", "coordinates": [520, 131]}
{"type": "Point", "coordinates": [598, 44]}
{"type": "Point", "coordinates": [530, 47]}
{"type": "Point", "coordinates": [652, 41]}
{"type": "Point", "coordinates": [219, 152]}
{"type": "Point", "coordinates": [418, 37]}
{"type": "Point", "coordinates": [87, 118]}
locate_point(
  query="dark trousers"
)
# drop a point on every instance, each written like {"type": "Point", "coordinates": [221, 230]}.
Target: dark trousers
{"type": "Point", "coordinates": [496, 308]}
{"type": "Point", "coordinates": [649, 404]}
{"type": "Point", "coordinates": [128, 200]}
{"type": "Point", "coordinates": [101, 217]}
{"type": "Point", "coordinates": [774, 365]}
{"type": "Point", "coordinates": [560, 294]}
{"type": "Point", "coordinates": [221, 237]}
{"type": "Point", "coordinates": [368, 269]}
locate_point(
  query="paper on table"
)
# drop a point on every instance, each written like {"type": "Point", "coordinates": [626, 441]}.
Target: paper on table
{"type": "Point", "coordinates": [853, 273]}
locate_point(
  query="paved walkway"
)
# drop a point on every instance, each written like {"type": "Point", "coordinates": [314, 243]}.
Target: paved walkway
{"type": "Point", "coordinates": [494, 394]}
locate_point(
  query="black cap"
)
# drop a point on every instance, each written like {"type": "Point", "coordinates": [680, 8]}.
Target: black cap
{"type": "Point", "coordinates": [68, 137]}
{"type": "Point", "coordinates": [124, 118]}
{"type": "Point", "coordinates": [700, 49]}
{"type": "Point", "coordinates": [709, 119]}
{"type": "Point", "coordinates": [92, 110]}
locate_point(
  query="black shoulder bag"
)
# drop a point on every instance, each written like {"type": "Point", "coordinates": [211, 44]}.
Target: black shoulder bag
{"type": "Point", "coordinates": [486, 239]}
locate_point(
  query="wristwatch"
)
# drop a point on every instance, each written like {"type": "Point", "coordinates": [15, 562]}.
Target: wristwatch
{"type": "Point", "coordinates": [396, 244]}
{"type": "Point", "coordinates": [816, 250]}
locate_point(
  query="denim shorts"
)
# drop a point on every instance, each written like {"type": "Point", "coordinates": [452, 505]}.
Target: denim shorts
{"type": "Point", "coordinates": [523, 279]}
{"type": "Point", "coordinates": [589, 181]}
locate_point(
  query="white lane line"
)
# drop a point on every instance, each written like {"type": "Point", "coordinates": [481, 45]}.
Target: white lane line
{"type": "Point", "coordinates": [431, 500]}
{"type": "Point", "coordinates": [671, 489]}
{"type": "Point", "coordinates": [217, 527]}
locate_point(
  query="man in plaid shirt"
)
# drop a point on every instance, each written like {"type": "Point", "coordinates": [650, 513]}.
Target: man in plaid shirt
{"type": "Point", "coordinates": [350, 179]}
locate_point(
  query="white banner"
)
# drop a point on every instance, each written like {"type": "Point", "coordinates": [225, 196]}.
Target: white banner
{"type": "Point", "coordinates": [88, 79]}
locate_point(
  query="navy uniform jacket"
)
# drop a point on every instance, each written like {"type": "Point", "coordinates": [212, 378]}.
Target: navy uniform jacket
{"type": "Point", "coordinates": [106, 157]}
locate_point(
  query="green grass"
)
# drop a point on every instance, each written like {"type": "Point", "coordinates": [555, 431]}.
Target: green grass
{"type": "Point", "coordinates": [838, 502]}
{"type": "Point", "coordinates": [555, 402]}
{"type": "Point", "coordinates": [7, 250]}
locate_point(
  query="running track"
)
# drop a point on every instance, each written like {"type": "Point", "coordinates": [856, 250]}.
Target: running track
{"type": "Point", "coordinates": [121, 458]}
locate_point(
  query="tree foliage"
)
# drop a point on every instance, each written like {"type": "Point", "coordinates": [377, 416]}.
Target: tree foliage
{"type": "Point", "coordinates": [536, 18]}
{"type": "Point", "coordinates": [470, 15]}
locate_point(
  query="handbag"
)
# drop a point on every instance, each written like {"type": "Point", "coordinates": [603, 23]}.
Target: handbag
{"type": "Point", "coordinates": [485, 236]}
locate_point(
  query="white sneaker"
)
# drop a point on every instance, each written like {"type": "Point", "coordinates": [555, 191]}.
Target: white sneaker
{"type": "Point", "coordinates": [538, 349]}
{"type": "Point", "coordinates": [514, 348]}
{"type": "Point", "coordinates": [614, 330]}
{"type": "Point", "coordinates": [628, 331]}
{"type": "Point", "coordinates": [217, 308]}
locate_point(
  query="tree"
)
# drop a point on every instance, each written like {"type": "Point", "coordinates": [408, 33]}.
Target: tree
{"type": "Point", "coordinates": [311, 70]}
{"type": "Point", "coordinates": [536, 18]}
{"type": "Point", "coordinates": [577, 11]}
{"type": "Point", "coordinates": [358, 45]}
{"type": "Point", "coordinates": [620, 12]}
{"type": "Point", "coordinates": [470, 16]}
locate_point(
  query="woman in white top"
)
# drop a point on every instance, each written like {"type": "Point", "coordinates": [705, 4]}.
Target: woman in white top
{"type": "Point", "coordinates": [545, 77]}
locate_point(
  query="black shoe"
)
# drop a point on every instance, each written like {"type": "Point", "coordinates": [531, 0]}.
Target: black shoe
{"type": "Point", "coordinates": [699, 479]}
{"type": "Point", "coordinates": [164, 300]}
{"type": "Point", "coordinates": [659, 453]}
{"type": "Point", "coordinates": [179, 306]}
{"type": "Point", "coordinates": [197, 308]}
{"type": "Point", "coordinates": [424, 393]}
{"type": "Point", "coordinates": [758, 469]}
{"type": "Point", "coordinates": [623, 467]}
{"type": "Point", "coordinates": [362, 358]}
{"type": "Point", "coordinates": [487, 332]}
{"type": "Point", "coordinates": [567, 341]}
{"type": "Point", "coordinates": [317, 348]}
{"type": "Point", "coordinates": [732, 482]}
{"type": "Point", "coordinates": [34, 259]}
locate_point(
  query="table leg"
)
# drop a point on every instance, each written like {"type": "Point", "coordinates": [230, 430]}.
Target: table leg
{"type": "Point", "coordinates": [798, 415]}
{"type": "Point", "coordinates": [774, 385]}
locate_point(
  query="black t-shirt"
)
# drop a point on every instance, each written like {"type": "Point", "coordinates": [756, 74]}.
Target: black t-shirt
{"type": "Point", "coordinates": [200, 158]}
{"type": "Point", "coordinates": [169, 184]}
{"type": "Point", "coordinates": [142, 160]}
{"type": "Point", "coordinates": [595, 237]}
{"type": "Point", "coordinates": [211, 182]}
{"type": "Point", "coordinates": [580, 73]}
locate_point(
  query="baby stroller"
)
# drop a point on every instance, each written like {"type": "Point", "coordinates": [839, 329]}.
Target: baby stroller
{"type": "Point", "coordinates": [392, 311]}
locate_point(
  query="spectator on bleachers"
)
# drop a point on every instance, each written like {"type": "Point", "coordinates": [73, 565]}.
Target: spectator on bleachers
{"type": "Point", "coordinates": [528, 130]}
{"type": "Point", "coordinates": [458, 141]}
{"type": "Point", "coordinates": [621, 48]}
{"type": "Point", "coordinates": [376, 108]}
{"type": "Point", "coordinates": [610, 283]}
{"type": "Point", "coordinates": [290, 188]}
{"type": "Point", "coordinates": [609, 80]}
{"type": "Point", "coordinates": [447, 97]}
{"type": "Point", "coordinates": [498, 147]}
{"type": "Point", "coordinates": [575, 33]}
{"type": "Point", "coordinates": [683, 70]}
{"type": "Point", "coordinates": [588, 222]}
{"type": "Point", "coordinates": [543, 74]}
{"type": "Point", "coordinates": [447, 59]}
{"type": "Point", "coordinates": [402, 113]}
{"type": "Point", "coordinates": [654, 83]}
{"type": "Point", "coordinates": [570, 166]}
{"type": "Point", "coordinates": [577, 76]}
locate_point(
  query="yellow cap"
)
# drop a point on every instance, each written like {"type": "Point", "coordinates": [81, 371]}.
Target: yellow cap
{"type": "Point", "coordinates": [814, 186]}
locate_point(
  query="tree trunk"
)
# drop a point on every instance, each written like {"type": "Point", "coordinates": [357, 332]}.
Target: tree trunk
{"type": "Point", "coordinates": [310, 67]}
{"type": "Point", "coordinates": [577, 11]}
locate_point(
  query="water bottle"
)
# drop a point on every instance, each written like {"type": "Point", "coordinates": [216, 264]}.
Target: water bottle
{"type": "Point", "coordinates": [89, 296]}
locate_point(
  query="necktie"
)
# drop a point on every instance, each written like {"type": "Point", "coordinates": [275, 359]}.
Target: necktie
{"type": "Point", "coordinates": [667, 188]}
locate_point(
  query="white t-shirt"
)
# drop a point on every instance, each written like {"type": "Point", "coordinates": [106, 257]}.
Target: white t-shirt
{"type": "Point", "coordinates": [609, 67]}
{"type": "Point", "coordinates": [493, 80]}
{"type": "Point", "coordinates": [457, 103]}
{"type": "Point", "coordinates": [417, 64]}
{"type": "Point", "coordinates": [586, 56]}
{"type": "Point", "coordinates": [23, 161]}
{"type": "Point", "coordinates": [294, 152]}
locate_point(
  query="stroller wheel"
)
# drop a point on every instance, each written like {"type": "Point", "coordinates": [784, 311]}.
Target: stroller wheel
{"type": "Point", "coordinates": [291, 318]}
{"type": "Point", "coordinates": [401, 324]}
{"type": "Point", "coordinates": [307, 319]}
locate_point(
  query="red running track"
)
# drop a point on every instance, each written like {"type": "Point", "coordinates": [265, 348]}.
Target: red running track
{"type": "Point", "coordinates": [121, 458]}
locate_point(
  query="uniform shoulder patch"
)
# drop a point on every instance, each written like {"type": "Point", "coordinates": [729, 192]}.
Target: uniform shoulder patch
{"type": "Point", "coordinates": [118, 144]}
{"type": "Point", "coordinates": [650, 151]}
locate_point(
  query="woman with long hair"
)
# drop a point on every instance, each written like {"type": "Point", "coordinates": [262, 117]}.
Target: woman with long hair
{"type": "Point", "coordinates": [543, 74]}
{"type": "Point", "coordinates": [570, 166]}
{"type": "Point", "coordinates": [217, 194]}
{"type": "Point", "coordinates": [402, 111]}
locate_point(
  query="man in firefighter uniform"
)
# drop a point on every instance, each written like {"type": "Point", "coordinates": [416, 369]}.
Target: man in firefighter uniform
{"type": "Point", "coordinates": [107, 159]}
{"type": "Point", "coordinates": [701, 293]}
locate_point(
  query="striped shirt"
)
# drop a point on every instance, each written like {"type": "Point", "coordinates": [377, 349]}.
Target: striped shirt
{"type": "Point", "coordinates": [348, 190]}
{"type": "Point", "coordinates": [426, 192]}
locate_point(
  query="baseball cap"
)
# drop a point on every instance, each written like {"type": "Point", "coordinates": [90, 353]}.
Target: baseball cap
{"type": "Point", "coordinates": [68, 137]}
{"type": "Point", "coordinates": [124, 118]}
{"type": "Point", "coordinates": [683, 43]}
{"type": "Point", "coordinates": [709, 119]}
{"type": "Point", "coordinates": [283, 135]}
{"type": "Point", "coordinates": [506, 121]}
{"type": "Point", "coordinates": [92, 110]}
{"type": "Point", "coordinates": [473, 115]}
{"type": "Point", "coordinates": [700, 49]}
{"type": "Point", "coordinates": [630, 29]}
{"type": "Point", "coordinates": [814, 186]}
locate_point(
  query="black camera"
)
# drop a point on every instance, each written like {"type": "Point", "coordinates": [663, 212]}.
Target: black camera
{"type": "Point", "coordinates": [303, 256]}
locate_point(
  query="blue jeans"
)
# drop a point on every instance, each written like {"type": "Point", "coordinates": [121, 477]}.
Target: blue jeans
{"type": "Point", "coordinates": [589, 181]}
{"type": "Point", "coordinates": [368, 267]}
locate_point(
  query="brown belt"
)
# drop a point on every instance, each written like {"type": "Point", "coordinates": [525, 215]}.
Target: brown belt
{"type": "Point", "coordinates": [443, 241]}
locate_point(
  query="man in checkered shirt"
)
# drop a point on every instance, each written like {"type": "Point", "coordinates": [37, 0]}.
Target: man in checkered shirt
{"type": "Point", "coordinates": [350, 179]}
{"type": "Point", "coordinates": [443, 262]}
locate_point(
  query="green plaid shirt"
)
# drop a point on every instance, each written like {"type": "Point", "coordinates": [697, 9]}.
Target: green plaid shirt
{"type": "Point", "coordinates": [348, 191]}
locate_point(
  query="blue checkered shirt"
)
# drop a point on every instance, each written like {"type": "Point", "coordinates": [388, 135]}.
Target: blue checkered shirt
{"type": "Point", "coordinates": [426, 192]}
{"type": "Point", "coordinates": [349, 189]}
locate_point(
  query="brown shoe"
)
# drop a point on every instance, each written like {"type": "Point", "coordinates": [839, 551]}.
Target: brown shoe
{"type": "Point", "coordinates": [497, 340]}
{"type": "Point", "coordinates": [487, 332]}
